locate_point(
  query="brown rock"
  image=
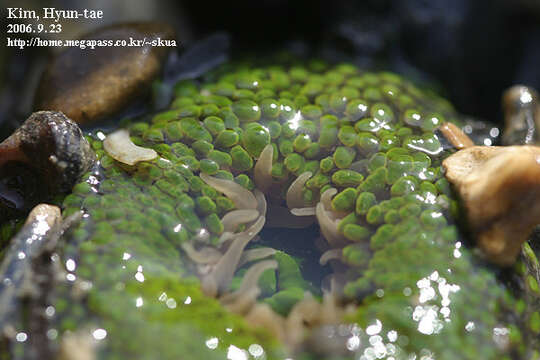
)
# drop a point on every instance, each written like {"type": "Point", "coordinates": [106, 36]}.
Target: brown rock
{"type": "Point", "coordinates": [90, 84]}
{"type": "Point", "coordinates": [47, 155]}
{"type": "Point", "coordinates": [500, 192]}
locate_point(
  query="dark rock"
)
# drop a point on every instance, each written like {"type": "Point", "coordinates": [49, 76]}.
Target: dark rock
{"type": "Point", "coordinates": [91, 84]}
{"type": "Point", "coordinates": [47, 155]}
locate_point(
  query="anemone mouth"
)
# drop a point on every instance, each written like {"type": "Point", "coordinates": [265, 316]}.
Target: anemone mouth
{"type": "Point", "coordinates": [217, 264]}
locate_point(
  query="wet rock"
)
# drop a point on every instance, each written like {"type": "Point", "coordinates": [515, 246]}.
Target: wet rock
{"type": "Point", "coordinates": [521, 116]}
{"type": "Point", "coordinates": [500, 192]}
{"type": "Point", "coordinates": [47, 155]}
{"type": "Point", "coordinates": [90, 84]}
{"type": "Point", "coordinates": [27, 275]}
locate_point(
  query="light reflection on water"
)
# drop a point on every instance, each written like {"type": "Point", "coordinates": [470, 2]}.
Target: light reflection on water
{"type": "Point", "coordinates": [235, 353]}
{"type": "Point", "coordinates": [294, 123]}
{"type": "Point", "coordinates": [99, 334]}
{"type": "Point", "coordinates": [428, 315]}
{"type": "Point", "coordinates": [431, 311]}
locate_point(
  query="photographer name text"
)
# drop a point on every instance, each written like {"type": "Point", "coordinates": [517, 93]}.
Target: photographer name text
{"type": "Point", "coordinates": [53, 14]}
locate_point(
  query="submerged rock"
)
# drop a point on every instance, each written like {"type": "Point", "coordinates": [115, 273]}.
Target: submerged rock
{"type": "Point", "coordinates": [521, 106]}
{"type": "Point", "coordinates": [47, 155]}
{"type": "Point", "coordinates": [90, 84]}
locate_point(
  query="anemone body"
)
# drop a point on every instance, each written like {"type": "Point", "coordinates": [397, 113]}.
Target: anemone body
{"type": "Point", "coordinates": [355, 151]}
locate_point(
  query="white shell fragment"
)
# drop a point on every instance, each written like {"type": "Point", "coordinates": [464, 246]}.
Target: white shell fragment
{"type": "Point", "coordinates": [119, 146]}
{"type": "Point", "coordinates": [500, 192]}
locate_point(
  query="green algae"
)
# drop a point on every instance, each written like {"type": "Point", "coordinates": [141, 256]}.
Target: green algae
{"type": "Point", "coordinates": [166, 328]}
